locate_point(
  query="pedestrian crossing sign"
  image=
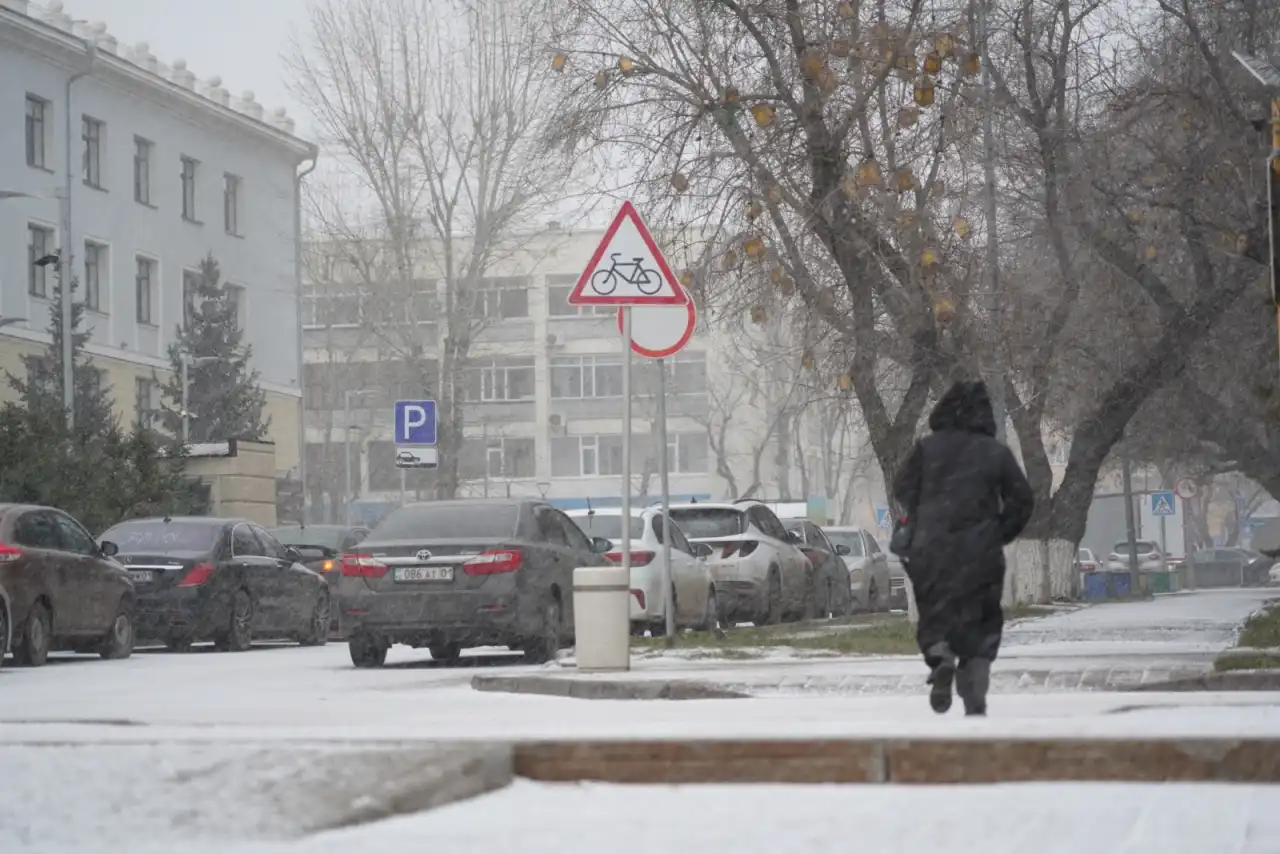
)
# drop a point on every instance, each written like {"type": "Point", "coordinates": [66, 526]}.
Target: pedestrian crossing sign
{"type": "Point", "coordinates": [883, 521]}
{"type": "Point", "coordinates": [1162, 504]}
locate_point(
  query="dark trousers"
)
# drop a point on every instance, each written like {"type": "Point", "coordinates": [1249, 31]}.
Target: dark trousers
{"type": "Point", "coordinates": [971, 624]}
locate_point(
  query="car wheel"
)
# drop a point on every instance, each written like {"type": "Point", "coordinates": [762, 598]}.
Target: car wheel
{"type": "Point", "coordinates": [35, 638]}
{"type": "Point", "coordinates": [445, 651]}
{"type": "Point", "coordinates": [367, 650]}
{"type": "Point", "coordinates": [710, 613]}
{"type": "Point", "coordinates": [239, 632]}
{"type": "Point", "coordinates": [118, 643]}
{"type": "Point", "coordinates": [318, 628]}
{"type": "Point", "coordinates": [873, 596]}
{"type": "Point", "coordinates": [773, 604]}
{"type": "Point", "coordinates": [546, 646]}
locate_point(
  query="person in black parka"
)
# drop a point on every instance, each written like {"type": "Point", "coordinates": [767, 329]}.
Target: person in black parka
{"type": "Point", "coordinates": [965, 497]}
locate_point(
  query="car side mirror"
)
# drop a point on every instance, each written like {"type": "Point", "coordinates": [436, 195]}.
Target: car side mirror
{"type": "Point", "coordinates": [702, 550]}
{"type": "Point", "coordinates": [600, 545]}
{"type": "Point", "coordinates": [843, 550]}
{"type": "Point", "coordinates": [108, 548]}
{"type": "Point", "coordinates": [793, 538]}
{"type": "Point", "coordinates": [293, 554]}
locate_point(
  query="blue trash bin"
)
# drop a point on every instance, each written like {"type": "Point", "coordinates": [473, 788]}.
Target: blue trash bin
{"type": "Point", "coordinates": [1120, 585]}
{"type": "Point", "coordinates": [1095, 585]}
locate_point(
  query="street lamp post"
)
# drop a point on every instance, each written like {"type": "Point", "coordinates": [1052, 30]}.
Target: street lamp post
{"type": "Point", "coordinates": [347, 395]}
{"type": "Point", "coordinates": [187, 361]}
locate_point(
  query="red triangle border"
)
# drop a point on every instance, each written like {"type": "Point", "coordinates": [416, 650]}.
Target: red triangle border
{"type": "Point", "coordinates": [628, 211]}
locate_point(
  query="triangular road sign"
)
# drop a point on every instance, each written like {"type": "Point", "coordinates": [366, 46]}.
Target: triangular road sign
{"type": "Point", "coordinates": [627, 268]}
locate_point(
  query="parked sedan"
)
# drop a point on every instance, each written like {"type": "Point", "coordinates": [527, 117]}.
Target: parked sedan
{"type": "Point", "coordinates": [63, 590]}
{"type": "Point", "coordinates": [760, 573]}
{"type": "Point", "coordinates": [321, 548]}
{"type": "Point", "coordinates": [1230, 567]}
{"type": "Point", "coordinates": [447, 575]}
{"type": "Point", "coordinates": [868, 567]}
{"type": "Point", "coordinates": [693, 587]}
{"type": "Point", "coordinates": [222, 580]}
{"type": "Point", "coordinates": [1150, 557]}
{"type": "Point", "coordinates": [831, 584]}
{"type": "Point", "coordinates": [1085, 561]}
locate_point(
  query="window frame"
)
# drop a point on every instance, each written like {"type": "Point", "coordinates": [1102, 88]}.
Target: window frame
{"type": "Point", "coordinates": [189, 176]}
{"type": "Point", "coordinates": [585, 365]}
{"type": "Point", "coordinates": [93, 134]}
{"type": "Point", "coordinates": [48, 236]}
{"type": "Point", "coordinates": [231, 185]}
{"type": "Point", "coordinates": [144, 415]}
{"type": "Point", "coordinates": [152, 266]}
{"type": "Point", "coordinates": [93, 283]}
{"type": "Point", "coordinates": [143, 152]}
{"type": "Point", "coordinates": [36, 131]}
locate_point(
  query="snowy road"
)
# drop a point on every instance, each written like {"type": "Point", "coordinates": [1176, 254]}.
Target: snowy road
{"type": "Point", "coordinates": [185, 729]}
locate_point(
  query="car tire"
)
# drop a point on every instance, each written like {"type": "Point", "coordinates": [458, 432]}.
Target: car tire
{"type": "Point", "coordinates": [117, 645]}
{"type": "Point", "coordinates": [546, 646]}
{"type": "Point", "coordinates": [238, 634]}
{"type": "Point", "coordinates": [35, 638]}
{"type": "Point", "coordinates": [445, 651]}
{"type": "Point", "coordinates": [773, 600]}
{"type": "Point", "coordinates": [367, 650]}
{"type": "Point", "coordinates": [318, 628]}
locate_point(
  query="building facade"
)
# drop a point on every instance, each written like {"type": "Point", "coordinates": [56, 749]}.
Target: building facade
{"type": "Point", "coordinates": [542, 390]}
{"type": "Point", "coordinates": [164, 170]}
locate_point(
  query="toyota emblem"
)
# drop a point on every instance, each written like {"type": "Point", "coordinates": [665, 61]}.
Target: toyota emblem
{"type": "Point", "coordinates": [424, 555]}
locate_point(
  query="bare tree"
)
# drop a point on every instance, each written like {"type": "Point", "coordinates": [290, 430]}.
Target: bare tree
{"type": "Point", "coordinates": [436, 109]}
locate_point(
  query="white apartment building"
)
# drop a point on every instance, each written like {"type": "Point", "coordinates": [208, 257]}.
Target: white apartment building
{"type": "Point", "coordinates": [543, 391]}
{"type": "Point", "coordinates": [165, 169]}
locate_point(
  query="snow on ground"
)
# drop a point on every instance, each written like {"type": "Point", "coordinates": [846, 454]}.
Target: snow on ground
{"type": "Point", "coordinates": [541, 818]}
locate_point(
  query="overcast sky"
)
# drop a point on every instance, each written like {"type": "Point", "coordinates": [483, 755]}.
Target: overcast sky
{"type": "Point", "coordinates": [239, 40]}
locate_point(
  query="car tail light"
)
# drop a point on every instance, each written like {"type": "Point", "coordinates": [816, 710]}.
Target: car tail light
{"type": "Point", "coordinates": [493, 561]}
{"type": "Point", "coordinates": [197, 575]}
{"type": "Point", "coordinates": [9, 553]}
{"type": "Point", "coordinates": [637, 559]}
{"type": "Point", "coordinates": [327, 566]}
{"type": "Point", "coordinates": [363, 566]}
{"type": "Point", "coordinates": [741, 549]}
{"type": "Point", "coordinates": [639, 594]}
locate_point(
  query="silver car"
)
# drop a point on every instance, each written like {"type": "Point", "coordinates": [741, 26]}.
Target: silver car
{"type": "Point", "coordinates": [868, 567]}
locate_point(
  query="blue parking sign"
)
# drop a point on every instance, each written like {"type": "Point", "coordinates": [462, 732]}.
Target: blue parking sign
{"type": "Point", "coordinates": [415, 422]}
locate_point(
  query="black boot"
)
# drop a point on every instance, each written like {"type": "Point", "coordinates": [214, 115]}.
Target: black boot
{"type": "Point", "coordinates": [972, 681]}
{"type": "Point", "coordinates": [941, 678]}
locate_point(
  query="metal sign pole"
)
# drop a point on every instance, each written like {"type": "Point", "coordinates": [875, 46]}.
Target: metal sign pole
{"type": "Point", "coordinates": [626, 442]}
{"type": "Point", "coordinates": [668, 597]}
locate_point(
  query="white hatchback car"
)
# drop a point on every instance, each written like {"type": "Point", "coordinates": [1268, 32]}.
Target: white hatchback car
{"type": "Point", "coordinates": [691, 579]}
{"type": "Point", "coordinates": [760, 573]}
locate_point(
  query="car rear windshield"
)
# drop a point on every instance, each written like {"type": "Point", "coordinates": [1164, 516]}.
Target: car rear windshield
{"type": "Point", "coordinates": [847, 538]}
{"type": "Point", "coordinates": [160, 537]}
{"type": "Point", "coordinates": [704, 523]}
{"type": "Point", "coordinates": [330, 538]}
{"type": "Point", "coordinates": [609, 527]}
{"type": "Point", "coordinates": [1143, 547]}
{"type": "Point", "coordinates": [449, 522]}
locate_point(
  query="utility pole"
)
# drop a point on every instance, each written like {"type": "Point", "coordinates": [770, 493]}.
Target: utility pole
{"type": "Point", "coordinates": [66, 258]}
{"type": "Point", "coordinates": [993, 244]}
{"type": "Point", "coordinates": [1131, 527]}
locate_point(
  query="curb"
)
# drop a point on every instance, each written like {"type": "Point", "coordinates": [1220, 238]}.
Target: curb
{"type": "Point", "coordinates": [1227, 680]}
{"type": "Point", "coordinates": [908, 761]}
{"type": "Point", "coordinates": [582, 689]}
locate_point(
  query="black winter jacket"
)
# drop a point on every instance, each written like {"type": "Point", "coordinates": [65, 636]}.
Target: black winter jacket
{"type": "Point", "coordinates": [966, 496]}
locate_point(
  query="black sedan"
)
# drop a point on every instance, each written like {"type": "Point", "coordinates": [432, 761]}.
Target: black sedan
{"type": "Point", "coordinates": [322, 547]}
{"type": "Point", "coordinates": [221, 580]}
{"type": "Point", "coordinates": [453, 574]}
{"type": "Point", "coordinates": [830, 592]}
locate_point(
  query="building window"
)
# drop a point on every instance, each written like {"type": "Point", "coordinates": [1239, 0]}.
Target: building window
{"type": "Point", "coordinates": [95, 261]}
{"type": "Point", "coordinates": [39, 248]}
{"type": "Point", "coordinates": [231, 203]}
{"type": "Point", "coordinates": [687, 453]}
{"type": "Point", "coordinates": [144, 402]}
{"type": "Point", "coordinates": [146, 288]}
{"type": "Point", "coordinates": [92, 132]}
{"type": "Point", "coordinates": [496, 381]}
{"type": "Point", "coordinates": [689, 373]}
{"type": "Point", "coordinates": [502, 299]}
{"type": "Point", "coordinates": [331, 310]}
{"type": "Point", "coordinates": [586, 376]}
{"type": "Point", "coordinates": [37, 131]}
{"type": "Point", "coordinates": [142, 150]}
{"type": "Point", "coordinates": [497, 458]}
{"type": "Point", "coordinates": [235, 297]}
{"type": "Point", "coordinates": [190, 288]}
{"type": "Point", "coordinates": [189, 189]}
{"type": "Point", "coordinates": [558, 290]}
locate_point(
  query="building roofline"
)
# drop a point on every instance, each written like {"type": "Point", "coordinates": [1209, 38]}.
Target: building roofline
{"type": "Point", "coordinates": [68, 43]}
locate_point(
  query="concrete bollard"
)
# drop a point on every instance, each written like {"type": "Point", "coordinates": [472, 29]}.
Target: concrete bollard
{"type": "Point", "coordinates": [602, 618]}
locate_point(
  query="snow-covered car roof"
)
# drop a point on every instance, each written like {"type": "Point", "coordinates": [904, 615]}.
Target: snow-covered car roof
{"type": "Point", "coordinates": [606, 511]}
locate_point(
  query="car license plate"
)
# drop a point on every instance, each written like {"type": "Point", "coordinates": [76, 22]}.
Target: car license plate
{"type": "Point", "coordinates": [142, 576]}
{"type": "Point", "coordinates": [424, 573]}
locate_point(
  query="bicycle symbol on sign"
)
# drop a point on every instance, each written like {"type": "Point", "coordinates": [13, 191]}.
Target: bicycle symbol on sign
{"type": "Point", "coordinates": [605, 282]}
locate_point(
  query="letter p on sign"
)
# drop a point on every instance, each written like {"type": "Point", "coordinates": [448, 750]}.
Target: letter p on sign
{"type": "Point", "coordinates": [415, 422]}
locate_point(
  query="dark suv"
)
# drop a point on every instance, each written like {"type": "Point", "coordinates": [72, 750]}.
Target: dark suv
{"type": "Point", "coordinates": [454, 574]}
